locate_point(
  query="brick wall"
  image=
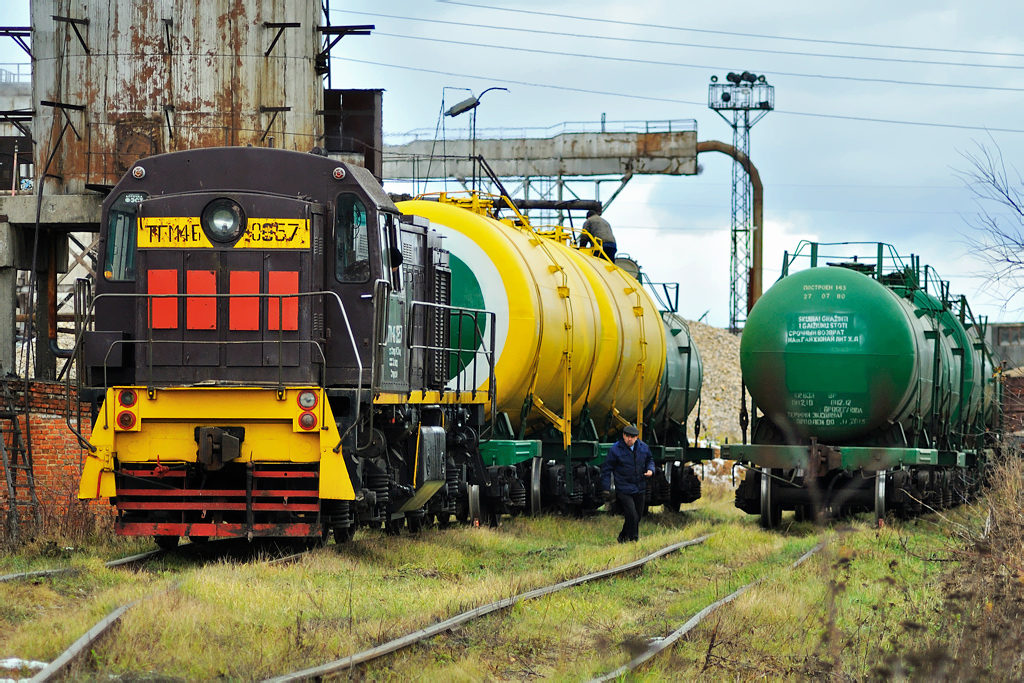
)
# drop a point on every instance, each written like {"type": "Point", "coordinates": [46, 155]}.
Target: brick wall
{"type": "Point", "coordinates": [1013, 402]}
{"type": "Point", "coordinates": [57, 460]}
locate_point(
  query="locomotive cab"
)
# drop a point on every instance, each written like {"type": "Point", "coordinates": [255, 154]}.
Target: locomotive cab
{"type": "Point", "coordinates": [253, 301]}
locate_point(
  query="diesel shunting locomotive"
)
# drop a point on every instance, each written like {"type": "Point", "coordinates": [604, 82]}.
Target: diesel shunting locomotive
{"type": "Point", "coordinates": [275, 348]}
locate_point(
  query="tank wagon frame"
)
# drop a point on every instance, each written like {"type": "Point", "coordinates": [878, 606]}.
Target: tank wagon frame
{"type": "Point", "coordinates": [275, 348]}
{"type": "Point", "coordinates": [871, 388]}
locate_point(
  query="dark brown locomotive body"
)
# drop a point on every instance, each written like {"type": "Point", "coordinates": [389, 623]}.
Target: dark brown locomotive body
{"type": "Point", "coordinates": [270, 273]}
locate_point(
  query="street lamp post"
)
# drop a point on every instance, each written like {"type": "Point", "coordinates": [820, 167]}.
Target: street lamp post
{"type": "Point", "coordinates": [470, 104]}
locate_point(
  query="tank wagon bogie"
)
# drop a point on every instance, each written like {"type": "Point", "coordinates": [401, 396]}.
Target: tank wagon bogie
{"type": "Point", "coordinates": [276, 349]}
{"type": "Point", "coordinates": [871, 389]}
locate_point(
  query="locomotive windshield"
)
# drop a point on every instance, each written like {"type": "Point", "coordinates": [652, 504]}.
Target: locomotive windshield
{"type": "Point", "coordinates": [351, 240]}
{"type": "Point", "coordinates": [120, 261]}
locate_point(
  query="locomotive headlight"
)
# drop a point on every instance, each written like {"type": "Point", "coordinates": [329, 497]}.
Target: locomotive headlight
{"type": "Point", "coordinates": [307, 421]}
{"type": "Point", "coordinates": [223, 220]}
{"type": "Point", "coordinates": [307, 400]}
{"type": "Point", "coordinates": [127, 398]}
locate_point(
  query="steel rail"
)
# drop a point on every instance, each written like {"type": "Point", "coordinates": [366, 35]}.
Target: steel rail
{"type": "Point", "coordinates": [668, 640]}
{"type": "Point", "coordinates": [433, 630]}
{"type": "Point", "coordinates": [195, 548]}
{"type": "Point", "coordinates": [81, 645]}
{"type": "Point", "coordinates": [51, 572]}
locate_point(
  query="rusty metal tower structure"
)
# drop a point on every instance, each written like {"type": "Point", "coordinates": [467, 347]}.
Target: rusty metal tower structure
{"type": "Point", "coordinates": [742, 94]}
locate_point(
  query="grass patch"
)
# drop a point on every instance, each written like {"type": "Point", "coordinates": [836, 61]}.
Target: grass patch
{"type": "Point", "coordinates": [875, 603]}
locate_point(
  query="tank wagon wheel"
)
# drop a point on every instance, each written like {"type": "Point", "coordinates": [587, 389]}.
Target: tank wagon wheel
{"type": "Point", "coordinates": [536, 471]}
{"type": "Point", "coordinates": [880, 478]}
{"type": "Point", "coordinates": [771, 513]}
{"type": "Point", "coordinates": [475, 511]}
{"type": "Point", "coordinates": [393, 527]}
{"type": "Point", "coordinates": [671, 506]}
{"type": "Point", "coordinates": [166, 542]}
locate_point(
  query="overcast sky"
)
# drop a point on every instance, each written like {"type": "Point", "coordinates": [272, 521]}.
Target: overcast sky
{"type": "Point", "coordinates": [841, 158]}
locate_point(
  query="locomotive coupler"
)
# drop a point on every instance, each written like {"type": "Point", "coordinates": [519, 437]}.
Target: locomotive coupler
{"type": "Point", "coordinates": [218, 445]}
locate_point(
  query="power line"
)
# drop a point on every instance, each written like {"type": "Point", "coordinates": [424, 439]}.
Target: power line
{"type": "Point", "coordinates": [652, 62]}
{"type": "Point", "coordinates": [646, 41]}
{"type": "Point", "coordinates": [734, 33]}
{"type": "Point", "coordinates": [669, 100]}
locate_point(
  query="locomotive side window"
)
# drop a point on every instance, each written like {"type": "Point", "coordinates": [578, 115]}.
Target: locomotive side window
{"type": "Point", "coordinates": [121, 229]}
{"type": "Point", "coordinates": [351, 240]}
{"type": "Point", "coordinates": [392, 251]}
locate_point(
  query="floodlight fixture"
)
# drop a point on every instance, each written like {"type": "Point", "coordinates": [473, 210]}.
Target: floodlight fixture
{"type": "Point", "coordinates": [468, 104]}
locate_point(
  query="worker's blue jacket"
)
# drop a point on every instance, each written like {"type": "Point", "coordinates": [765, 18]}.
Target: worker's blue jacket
{"type": "Point", "coordinates": [629, 467]}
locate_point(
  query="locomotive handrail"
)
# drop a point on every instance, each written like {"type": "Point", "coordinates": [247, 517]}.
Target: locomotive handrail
{"type": "Point", "coordinates": [149, 341]}
{"type": "Point", "coordinates": [487, 352]}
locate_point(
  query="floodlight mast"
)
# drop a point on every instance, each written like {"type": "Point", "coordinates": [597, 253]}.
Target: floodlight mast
{"type": "Point", "coordinates": [743, 92]}
{"type": "Point", "coordinates": [470, 104]}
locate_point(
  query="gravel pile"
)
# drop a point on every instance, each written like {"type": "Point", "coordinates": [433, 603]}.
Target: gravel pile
{"type": "Point", "coordinates": [720, 394]}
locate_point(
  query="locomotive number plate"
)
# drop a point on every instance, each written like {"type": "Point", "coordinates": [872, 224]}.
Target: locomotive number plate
{"type": "Point", "coordinates": [275, 233]}
{"type": "Point", "coordinates": [260, 233]}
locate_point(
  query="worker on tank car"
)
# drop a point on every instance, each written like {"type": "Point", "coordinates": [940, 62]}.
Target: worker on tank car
{"type": "Point", "coordinates": [602, 230]}
{"type": "Point", "coordinates": [631, 462]}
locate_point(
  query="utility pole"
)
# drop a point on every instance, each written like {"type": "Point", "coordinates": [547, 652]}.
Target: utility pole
{"type": "Point", "coordinates": [742, 94]}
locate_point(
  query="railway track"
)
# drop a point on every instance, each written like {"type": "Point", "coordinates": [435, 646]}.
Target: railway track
{"type": "Point", "coordinates": [57, 667]}
{"type": "Point", "coordinates": [662, 644]}
{"type": "Point", "coordinates": [122, 562]}
{"type": "Point", "coordinates": [470, 615]}
{"type": "Point", "coordinates": [236, 548]}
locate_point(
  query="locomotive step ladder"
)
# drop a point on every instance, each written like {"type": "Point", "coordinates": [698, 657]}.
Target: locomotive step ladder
{"type": "Point", "coordinates": [16, 461]}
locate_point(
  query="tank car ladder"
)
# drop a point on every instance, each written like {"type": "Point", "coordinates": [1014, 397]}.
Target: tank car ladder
{"type": "Point", "coordinates": [15, 458]}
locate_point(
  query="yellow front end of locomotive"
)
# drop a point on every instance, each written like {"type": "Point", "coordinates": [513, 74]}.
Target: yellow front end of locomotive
{"type": "Point", "coordinates": [160, 426]}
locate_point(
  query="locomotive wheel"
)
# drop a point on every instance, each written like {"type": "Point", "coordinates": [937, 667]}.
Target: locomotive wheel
{"type": "Point", "coordinates": [166, 542]}
{"type": "Point", "coordinates": [771, 513]}
{"type": "Point", "coordinates": [880, 478]}
{"type": "Point", "coordinates": [393, 527]}
{"type": "Point", "coordinates": [475, 511]}
{"type": "Point", "coordinates": [671, 506]}
{"type": "Point", "coordinates": [536, 470]}
{"type": "Point", "coordinates": [314, 542]}
{"type": "Point", "coordinates": [444, 520]}
{"type": "Point", "coordinates": [343, 534]}
{"type": "Point", "coordinates": [415, 523]}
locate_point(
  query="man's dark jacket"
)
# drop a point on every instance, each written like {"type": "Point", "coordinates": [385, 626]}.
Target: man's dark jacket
{"type": "Point", "coordinates": [629, 467]}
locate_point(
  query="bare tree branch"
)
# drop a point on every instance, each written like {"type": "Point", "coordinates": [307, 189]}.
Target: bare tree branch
{"type": "Point", "coordinates": [996, 235]}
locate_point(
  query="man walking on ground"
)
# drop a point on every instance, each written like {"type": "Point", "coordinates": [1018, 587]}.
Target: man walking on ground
{"type": "Point", "coordinates": [631, 462]}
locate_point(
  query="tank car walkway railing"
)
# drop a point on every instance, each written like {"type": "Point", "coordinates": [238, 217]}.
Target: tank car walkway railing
{"type": "Point", "coordinates": [149, 343]}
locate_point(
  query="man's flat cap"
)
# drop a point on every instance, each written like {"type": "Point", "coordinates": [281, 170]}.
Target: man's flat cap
{"type": "Point", "coordinates": [630, 430]}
